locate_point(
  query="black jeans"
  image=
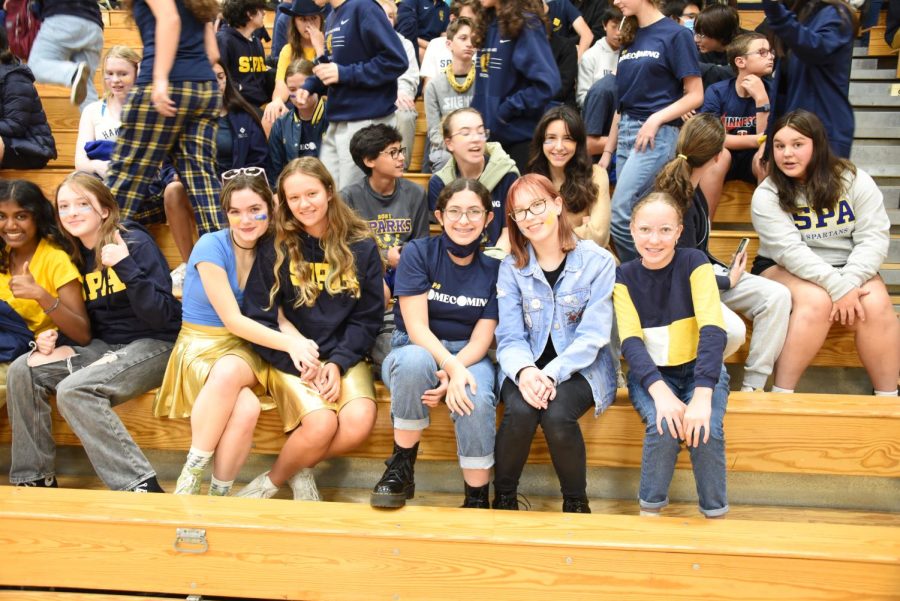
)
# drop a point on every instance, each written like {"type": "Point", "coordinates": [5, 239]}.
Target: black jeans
{"type": "Point", "coordinates": [561, 431]}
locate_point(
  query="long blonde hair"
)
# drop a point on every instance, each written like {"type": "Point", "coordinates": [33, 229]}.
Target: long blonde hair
{"type": "Point", "coordinates": [344, 228]}
{"type": "Point", "coordinates": [88, 185]}
{"type": "Point", "coordinates": [126, 54]}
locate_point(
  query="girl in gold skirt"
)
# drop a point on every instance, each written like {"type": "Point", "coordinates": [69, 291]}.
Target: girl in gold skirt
{"type": "Point", "coordinates": [321, 278]}
{"type": "Point", "coordinates": [214, 376]}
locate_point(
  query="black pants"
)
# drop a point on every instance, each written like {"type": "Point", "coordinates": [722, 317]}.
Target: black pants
{"type": "Point", "coordinates": [559, 421]}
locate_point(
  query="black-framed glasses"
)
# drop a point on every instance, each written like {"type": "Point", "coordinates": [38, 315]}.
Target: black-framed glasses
{"type": "Point", "coordinates": [250, 171]}
{"type": "Point", "coordinates": [473, 214]}
{"type": "Point", "coordinates": [395, 153]}
{"type": "Point", "coordinates": [762, 52]}
{"type": "Point", "coordinates": [535, 208]}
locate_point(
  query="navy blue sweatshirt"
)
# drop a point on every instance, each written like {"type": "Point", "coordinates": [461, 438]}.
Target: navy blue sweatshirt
{"type": "Point", "coordinates": [370, 58]}
{"type": "Point", "coordinates": [517, 79]}
{"type": "Point", "coordinates": [84, 9]}
{"type": "Point", "coordinates": [133, 299]}
{"type": "Point", "coordinates": [425, 19]}
{"type": "Point", "coordinates": [815, 74]}
{"type": "Point", "coordinates": [249, 146]}
{"type": "Point", "coordinates": [245, 63]}
{"type": "Point", "coordinates": [344, 327]}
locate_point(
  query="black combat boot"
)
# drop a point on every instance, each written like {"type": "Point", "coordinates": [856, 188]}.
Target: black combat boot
{"type": "Point", "coordinates": [397, 484]}
{"type": "Point", "coordinates": [506, 500]}
{"type": "Point", "coordinates": [477, 497]}
{"type": "Point", "coordinates": [576, 505]}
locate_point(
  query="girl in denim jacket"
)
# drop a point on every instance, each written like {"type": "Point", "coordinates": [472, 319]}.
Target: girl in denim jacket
{"type": "Point", "coordinates": [554, 294]}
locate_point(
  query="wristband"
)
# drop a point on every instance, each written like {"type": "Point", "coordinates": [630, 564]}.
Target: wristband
{"type": "Point", "coordinates": [52, 307]}
{"type": "Point", "coordinates": [761, 140]}
{"type": "Point", "coordinates": [606, 151]}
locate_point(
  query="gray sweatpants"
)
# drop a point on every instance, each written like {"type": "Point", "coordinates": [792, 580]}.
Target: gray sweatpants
{"type": "Point", "coordinates": [85, 395]}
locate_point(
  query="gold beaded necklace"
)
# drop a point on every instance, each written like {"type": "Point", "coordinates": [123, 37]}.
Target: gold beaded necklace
{"type": "Point", "coordinates": [460, 88]}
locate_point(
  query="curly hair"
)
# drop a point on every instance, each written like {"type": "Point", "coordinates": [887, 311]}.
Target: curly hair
{"type": "Point", "coordinates": [512, 16]}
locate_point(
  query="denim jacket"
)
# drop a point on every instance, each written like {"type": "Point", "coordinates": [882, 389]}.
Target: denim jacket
{"type": "Point", "coordinates": [577, 313]}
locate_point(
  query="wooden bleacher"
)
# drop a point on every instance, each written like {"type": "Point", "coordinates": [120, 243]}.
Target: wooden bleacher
{"type": "Point", "coordinates": [268, 550]}
{"type": "Point", "coordinates": [104, 541]}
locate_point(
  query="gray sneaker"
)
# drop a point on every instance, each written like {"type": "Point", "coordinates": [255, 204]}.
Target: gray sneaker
{"type": "Point", "coordinates": [258, 489]}
{"type": "Point", "coordinates": [80, 84]}
{"type": "Point", "coordinates": [189, 481]}
{"type": "Point", "coordinates": [304, 486]}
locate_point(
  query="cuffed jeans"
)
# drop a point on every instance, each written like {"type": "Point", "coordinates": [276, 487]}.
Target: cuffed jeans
{"type": "Point", "coordinates": [635, 174]}
{"type": "Point", "coordinates": [661, 450]}
{"type": "Point", "coordinates": [85, 395]}
{"type": "Point", "coordinates": [559, 421]}
{"type": "Point", "coordinates": [62, 43]}
{"type": "Point", "coordinates": [409, 370]}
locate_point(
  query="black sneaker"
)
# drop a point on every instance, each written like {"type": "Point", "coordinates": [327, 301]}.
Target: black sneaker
{"type": "Point", "coordinates": [48, 482]}
{"type": "Point", "coordinates": [576, 505]}
{"type": "Point", "coordinates": [149, 485]}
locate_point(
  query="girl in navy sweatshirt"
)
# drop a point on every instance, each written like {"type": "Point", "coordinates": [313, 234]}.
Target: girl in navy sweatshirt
{"type": "Point", "coordinates": [134, 320]}
{"type": "Point", "coordinates": [516, 74]}
{"type": "Point", "coordinates": [319, 281]}
{"type": "Point", "coordinates": [814, 42]}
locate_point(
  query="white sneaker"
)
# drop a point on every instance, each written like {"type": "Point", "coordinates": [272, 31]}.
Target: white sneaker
{"type": "Point", "coordinates": [304, 486]}
{"type": "Point", "coordinates": [259, 488]}
{"type": "Point", "coordinates": [80, 84]}
{"type": "Point", "coordinates": [178, 277]}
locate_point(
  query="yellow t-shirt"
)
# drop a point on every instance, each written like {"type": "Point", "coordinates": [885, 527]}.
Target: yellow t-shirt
{"type": "Point", "coordinates": [52, 269]}
{"type": "Point", "coordinates": [285, 58]}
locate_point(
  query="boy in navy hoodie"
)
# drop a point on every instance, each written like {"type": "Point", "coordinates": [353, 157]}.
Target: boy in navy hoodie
{"type": "Point", "coordinates": [363, 60]}
{"type": "Point", "coordinates": [242, 52]}
{"type": "Point", "coordinates": [420, 21]}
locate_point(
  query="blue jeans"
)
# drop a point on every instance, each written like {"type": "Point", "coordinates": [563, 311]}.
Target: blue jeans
{"type": "Point", "coordinates": [661, 451]}
{"type": "Point", "coordinates": [85, 395]}
{"type": "Point", "coordinates": [635, 174]}
{"type": "Point", "coordinates": [62, 43]}
{"type": "Point", "coordinates": [409, 370]}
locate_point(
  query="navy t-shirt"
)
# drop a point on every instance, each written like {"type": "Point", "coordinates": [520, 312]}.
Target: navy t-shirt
{"type": "Point", "coordinates": [458, 295]}
{"type": "Point", "coordinates": [650, 72]}
{"type": "Point", "coordinates": [738, 114]}
{"type": "Point", "coordinates": [191, 61]}
{"type": "Point", "coordinates": [562, 14]}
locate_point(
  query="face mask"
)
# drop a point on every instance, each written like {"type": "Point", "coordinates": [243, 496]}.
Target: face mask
{"type": "Point", "coordinates": [461, 250]}
{"type": "Point", "coordinates": [689, 23]}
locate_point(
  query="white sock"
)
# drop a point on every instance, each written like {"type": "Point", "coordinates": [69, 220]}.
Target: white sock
{"type": "Point", "coordinates": [220, 488]}
{"type": "Point", "coordinates": [268, 483]}
{"type": "Point", "coordinates": [782, 390]}
{"type": "Point", "coordinates": [746, 388]}
{"type": "Point", "coordinates": [198, 458]}
{"type": "Point", "coordinates": [886, 393]}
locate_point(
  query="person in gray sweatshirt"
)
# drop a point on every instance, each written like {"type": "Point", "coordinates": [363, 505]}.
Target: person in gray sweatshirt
{"type": "Point", "coordinates": [823, 233]}
{"type": "Point", "coordinates": [452, 89]}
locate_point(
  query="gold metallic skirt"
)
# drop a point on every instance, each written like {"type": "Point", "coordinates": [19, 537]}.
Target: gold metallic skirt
{"type": "Point", "coordinates": [195, 352]}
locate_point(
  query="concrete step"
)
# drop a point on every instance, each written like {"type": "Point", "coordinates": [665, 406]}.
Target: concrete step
{"type": "Point", "coordinates": [877, 158]}
{"type": "Point", "coordinates": [891, 198]}
{"type": "Point", "coordinates": [872, 94]}
{"type": "Point", "coordinates": [877, 125]}
{"type": "Point", "coordinates": [869, 62]}
{"type": "Point", "coordinates": [894, 216]}
{"type": "Point", "coordinates": [873, 74]}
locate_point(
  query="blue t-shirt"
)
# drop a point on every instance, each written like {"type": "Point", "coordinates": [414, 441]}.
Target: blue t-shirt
{"type": "Point", "coordinates": [651, 69]}
{"type": "Point", "coordinates": [562, 14]}
{"type": "Point", "coordinates": [458, 295]}
{"type": "Point", "coordinates": [191, 61]}
{"type": "Point", "coordinates": [738, 114]}
{"type": "Point", "coordinates": [214, 248]}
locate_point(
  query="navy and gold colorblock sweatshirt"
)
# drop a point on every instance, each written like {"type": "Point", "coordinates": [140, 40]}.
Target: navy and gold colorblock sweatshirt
{"type": "Point", "coordinates": [671, 316]}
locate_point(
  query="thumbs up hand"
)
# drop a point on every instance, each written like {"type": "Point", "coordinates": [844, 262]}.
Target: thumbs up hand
{"type": "Point", "coordinates": [111, 254]}
{"type": "Point", "coordinates": [22, 285]}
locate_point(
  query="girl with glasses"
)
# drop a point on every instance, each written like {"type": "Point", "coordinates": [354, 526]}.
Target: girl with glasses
{"type": "Point", "coordinates": [559, 153]}
{"type": "Point", "coordinates": [473, 157]}
{"type": "Point", "coordinates": [554, 296]}
{"type": "Point", "coordinates": [445, 316]}
{"type": "Point", "coordinates": [673, 337]}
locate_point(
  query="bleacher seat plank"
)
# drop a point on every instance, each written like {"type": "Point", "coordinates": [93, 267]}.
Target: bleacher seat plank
{"type": "Point", "coordinates": [803, 433]}
{"type": "Point", "coordinates": [878, 46]}
{"type": "Point", "coordinates": [74, 596]}
{"type": "Point", "coordinates": [266, 549]}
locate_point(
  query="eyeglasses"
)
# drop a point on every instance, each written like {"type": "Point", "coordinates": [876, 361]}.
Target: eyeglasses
{"type": "Point", "coordinates": [249, 171]}
{"type": "Point", "coordinates": [395, 153]}
{"type": "Point", "coordinates": [474, 134]}
{"type": "Point", "coordinates": [663, 232]}
{"type": "Point", "coordinates": [762, 52]}
{"type": "Point", "coordinates": [536, 208]}
{"type": "Point", "coordinates": [473, 215]}
{"type": "Point", "coordinates": [699, 36]}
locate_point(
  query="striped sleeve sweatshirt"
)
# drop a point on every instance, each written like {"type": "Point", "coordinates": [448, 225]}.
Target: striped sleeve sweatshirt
{"type": "Point", "coordinates": [671, 316]}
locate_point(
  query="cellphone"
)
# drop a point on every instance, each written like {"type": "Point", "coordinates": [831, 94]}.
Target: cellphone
{"type": "Point", "coordinates": [742, 246]}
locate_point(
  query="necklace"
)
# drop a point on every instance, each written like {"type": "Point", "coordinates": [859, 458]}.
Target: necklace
{"type": "Point", "coordinates": [241, 247]}
{"type": "Point", "coordinates": [459, 88]}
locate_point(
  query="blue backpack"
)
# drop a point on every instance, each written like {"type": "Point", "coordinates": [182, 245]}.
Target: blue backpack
{"type": "Point", "coordinates": [15, 337]}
